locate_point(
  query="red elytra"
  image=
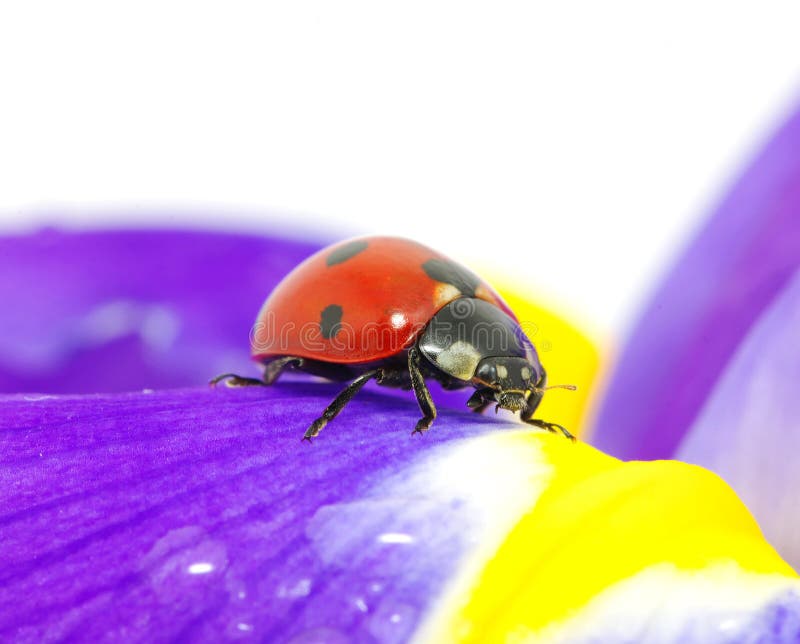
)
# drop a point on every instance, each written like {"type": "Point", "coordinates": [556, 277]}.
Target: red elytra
{"type": "Point", "coordinates": [361, 300]}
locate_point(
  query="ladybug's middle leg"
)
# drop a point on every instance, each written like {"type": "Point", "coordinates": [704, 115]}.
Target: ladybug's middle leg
{"type": "Point", "coordinates": [344, 397]}
{"type": "Point", "coordinates": [424, 399]}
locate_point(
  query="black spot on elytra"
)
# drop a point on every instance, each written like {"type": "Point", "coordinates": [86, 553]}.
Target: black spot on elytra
{"type": "Point", "coordinates": [343, 253]}
{"type": "Point", "coordinates": [330, 320]}
{"type": "Point", "coordinates": [448, 272]}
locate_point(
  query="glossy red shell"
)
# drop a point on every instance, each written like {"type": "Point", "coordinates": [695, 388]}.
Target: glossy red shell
{"type": "Point", "coordinates": [382, 292]}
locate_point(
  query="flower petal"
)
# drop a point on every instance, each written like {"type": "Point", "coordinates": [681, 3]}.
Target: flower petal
{"type": "Point", "coordinates": [604, 547]}
{"type": "Point", "coordinates": [748, 430]}
{"type": "Point", "coordinates": [122, 310]}
{"type": "Point", "coordinates": [742, 258]}
{"type": "Point", "coordinates": [199, 514]}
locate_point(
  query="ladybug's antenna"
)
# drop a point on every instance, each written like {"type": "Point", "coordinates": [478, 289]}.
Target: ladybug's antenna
{"type": "Point", "coordinates": [541, 390]}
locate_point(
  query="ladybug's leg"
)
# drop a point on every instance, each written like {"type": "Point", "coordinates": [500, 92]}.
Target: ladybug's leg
{"type": "Point", "coordinates": [234, 380]}
{"type": "Point", "coordinates": [395, 377]}
{"type": "Point", "coordinates": [344, 397]}
{"type": "Point", "coordinates": [271, 373]}
{"type": "Point", "coordinates": [276, 367]}
{"type": "Point", "coordinates": [424, 399]}
{"type": "Point", "coordinates": [481, 399]}
{"type": "Point", "coordinates": [526, 414]}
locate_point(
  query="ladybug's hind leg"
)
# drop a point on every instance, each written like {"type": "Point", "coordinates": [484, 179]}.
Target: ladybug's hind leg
{"type": "Point", "coordinates": [235, 380]}
{"type": "Point", "coordinates": [271, 372]}
{"type": "Point", "coordinates": [424, 399]}
{"type": "Point", "coordinates": [276, 367]}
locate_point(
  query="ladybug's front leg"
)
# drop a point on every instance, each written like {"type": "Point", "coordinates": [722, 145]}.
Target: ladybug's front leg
{"type": "Point", "coordinates": [481, 399]}
{"type": "Point", "coordinates": [526, 415]}
{"type": "Point", "coordinates": [424, 399]}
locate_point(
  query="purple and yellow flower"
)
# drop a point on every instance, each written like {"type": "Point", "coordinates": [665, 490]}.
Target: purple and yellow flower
{"type": "Point", "coordinates": [709, 374]}
{"type": "Point", "coordinates": [140, 505]}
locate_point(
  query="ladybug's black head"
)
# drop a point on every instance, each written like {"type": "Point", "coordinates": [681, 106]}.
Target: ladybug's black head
{"type": "Point", "coordinates": [478, 343]}
{"type": "Point", "coordinates": [509, 378]}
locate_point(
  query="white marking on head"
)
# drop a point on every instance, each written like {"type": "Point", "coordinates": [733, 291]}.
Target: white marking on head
{"type": "Point", "coordinates": [502, 372]}
{"type": "Point", "coordinates": [525, 372]}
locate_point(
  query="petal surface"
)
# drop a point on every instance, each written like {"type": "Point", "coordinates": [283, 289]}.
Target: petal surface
{"type": "Point", "coordinates": [119, 310]}
{"type": "Point", "coordinates": [199, 514]}
{"type": "Point", "coordinates": [749, 431]}
{"type": "Point", "coordinates": [715, 291]}
{"type": "Point", "coordinates": [612, 551]}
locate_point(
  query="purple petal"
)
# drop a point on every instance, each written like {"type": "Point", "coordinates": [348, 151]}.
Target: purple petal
{"type": "Point", "coordinates": [748, 430]}
{"type": "Point", "coordinates": [744, 256]}
{"type": "Point", "coordinates": [200, 514]}
{"type": "Point", "coordinates": [123, 310]}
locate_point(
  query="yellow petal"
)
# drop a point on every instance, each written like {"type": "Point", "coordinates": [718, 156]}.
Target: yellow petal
{"type": "Point", "coordinates": [599, 522]}
{"type": "Point", "coordinates": [567, 353]}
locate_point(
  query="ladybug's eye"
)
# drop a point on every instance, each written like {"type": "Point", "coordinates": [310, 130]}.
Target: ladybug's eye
{"type": "Point", "coordinates": [487, 373]}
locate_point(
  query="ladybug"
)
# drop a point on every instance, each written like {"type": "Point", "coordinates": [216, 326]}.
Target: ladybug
{"type": "Point", "coordinates": [394, 311]}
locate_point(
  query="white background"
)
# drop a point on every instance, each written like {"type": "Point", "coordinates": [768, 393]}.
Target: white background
{"type": "Point", "coordinates": [573, 145]}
